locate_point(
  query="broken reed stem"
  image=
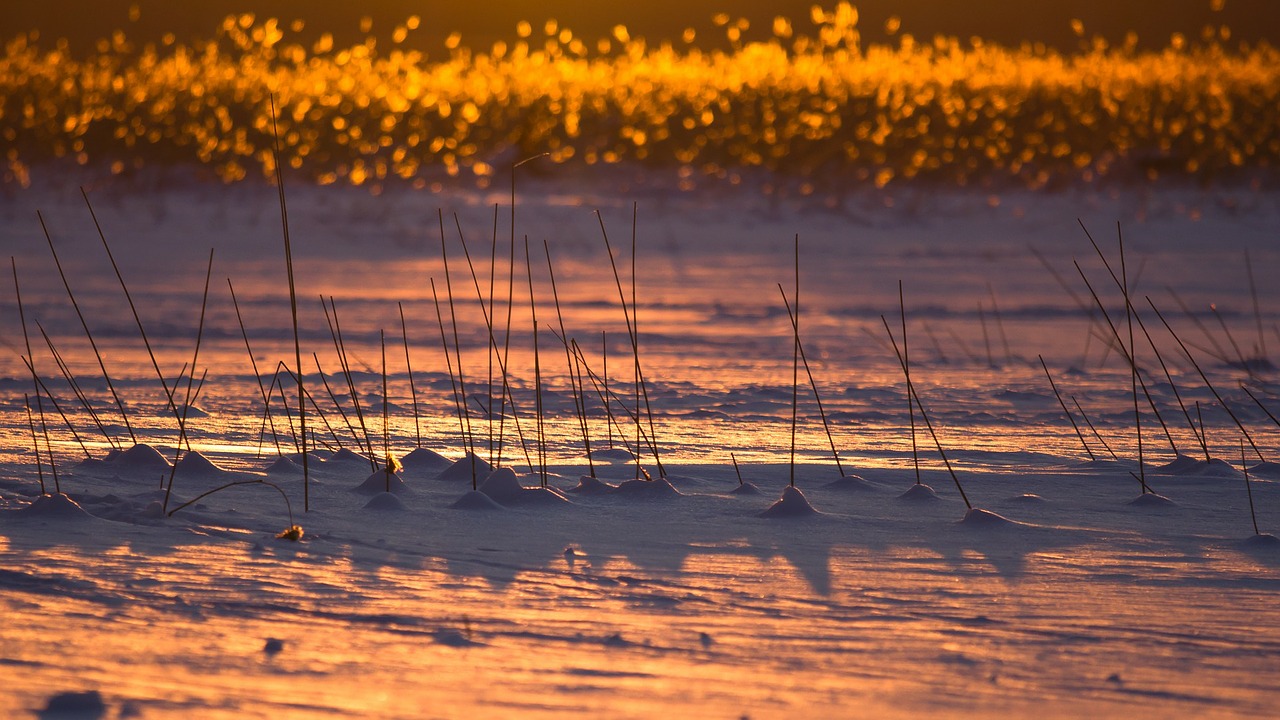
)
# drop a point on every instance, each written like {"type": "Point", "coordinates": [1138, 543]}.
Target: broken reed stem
{"type": "Point", "coordinates": [36, 382]}
{"type": "Point", "coordinates": [182, 438]}
{"type": "Point", "coordinates": [488, 324]}
{"type": "Point", "coordinates": [453, 382]}
{"type": "Point", "coordinates": [493, 350]}
{"type": "Point", "coordinates": [186, 405]}
{"type": "Point", "coordinates": [334, 399]}
{"type": "Point", "coordinates": [1096, 434]}
{"type": "Point", "coordinates": [575, 371]}
{"type": "Point", "coordinates": [35, 444]}
{"type": "Point", "coordinates": [1257, 311]}
{"type": "Point", "coordinates": [1249, 489]}
{"type": "Point", "coordinates": [604, 352]}
{"type": "Point", "coordinates": [48, 446]}
{"type": "Point", "coordinates": [468, 439]}
{"type": "Point", "coordinates": [237, 483]}
{"type": "Point", "coordinates": [911, 388]}
{"type": "Point", "coordinates": [314, 406]}
{"type": "Point", "coordinates": [284, 402]}
{"type": "Point", "coordinates": [133, 308]}
{"type": "Point", "coordinates": [413, 390]}
{"type": "Point", "coordinates": [579, 402]}
{"type": "Point", "coordinates": [812, 382]}
{"type": "Point", "coordinates": [1218, 352]}
{"type": "Point", "coordinates": [493, 347]}
{"type": "Point", "coordinates": [1004, 339]}
{"type": "Point", "coordinates": [986, 339]}
{"type": "Point", "coordinates": [795, 363]}
{"type": "Point", "coordinates": [1134, 375]}
{"type": "Point", "coordinates": [58, 407]}
{"type": "Point", "coordinates": [340, 344]}
{"type": "Point", "coordinates": [1244, 364]}
{"type": "Point", "coordinates": [77, 391]}
{"type": "Point", "coordinates": [266, 401]}
{"type": "Point", "coordinates": [386, 432]}
{"type": "Point", "coordinates": [537, 372]}
{"type": "Point", "coordinates": [1204, 445]}
{"type": "Point", "coordinates": [85, 325]}
{"type": "Point", "coordinates": [293, 307]}
{"type": "Point", "coordinates": [631, 333]}
{"type": "Point", "coordinates": [1058, 395]}
{"type": "Point", "coordinates": [1259, 404]}
{"type": "Point", "coordinates": [1205, 378]}
{"type": "Point", "coordinates": [906, 358]}
{"type": "Point", "coordinates": [606, 396]}
{"type": "Point", "coordinates": [736, 469]}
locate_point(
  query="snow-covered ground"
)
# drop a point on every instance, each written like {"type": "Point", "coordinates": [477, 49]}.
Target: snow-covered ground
{"type": "Point", "coordinates": [673, 597]}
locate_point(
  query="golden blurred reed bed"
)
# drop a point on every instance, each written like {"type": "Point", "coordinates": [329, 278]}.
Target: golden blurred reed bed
{"type": "Point", "coordinates": [811, 111]}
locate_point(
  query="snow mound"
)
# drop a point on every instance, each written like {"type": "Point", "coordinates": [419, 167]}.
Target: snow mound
{"type": "Point", "coordinates": [461, 469]}
{"type": "Point", "coordinates": [424, 459]}
{"type": "Point", "coordinates": [850, 482]}
{"type": "Point", "coordinates": [86, 705]}
{"type": "Point", "coordinates": [192, 411]}
{"type": "Point", "coordinates": [1266, 469]}
{"type": "Point", "coordinates": [283, 466]}
{"type": "Point", "coordinates": [792, 504]}
{"type": "Point", "coordinates": [55, 506]}
{"type": "Point", "coordinates": [378, 481]}
{"type": "Point", "coordinates": [1262, 540]}
{"type": "Point", "coordinates": [475, 500]}
{"type": "Point", "coordinates": [1025, 499]}
{"type": "Point", "coordinates": [1152, 500]}
{"type": "Point", "coordinates": [1187, 465]}
{"type": "Point", "coordinates": [140, 457]}
{"type": "Point", "coordinates": [194, 464]}
{"type": "Point", "coordinates": [658, 488]}
{"type": "Point", "coordinates": [613, 455]}
{"type": "Point", "coordinates": [384, 501]}
{"type": "Point", "coordinates": [347, 456]}
{"type": "Point", "coordinates": [746, 488]}
{"type": "Point", "coordinates": [587, 485]}
{"type": "Point", "coordinates": [979, 518]}
{"type": "Point", "coordinates": [918, 492]}
{"type": "Point", "coordinates": [504, 487]}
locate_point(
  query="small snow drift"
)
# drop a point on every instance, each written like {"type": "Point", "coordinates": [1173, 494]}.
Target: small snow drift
{"type": "Point", "coordinates": [346, 456]}
{"type": "Point", "coordinates": [1265, 469]}
{"type": "Point", "coordinates": [192, 411]}
{"type": "Point", "coordinates": [1262, 540]}
{"type": "Point", "coordinates": [919, 492]}
{"type": "Point", "coordinates": [658, 488]}
{"type": "Point", "coordinates": [283, 466]}
{"type": "Point", "coordinates": [792, 504]}
{"type": "Point", "coordinates": [1187, 465]}
{"type": "Point", "coordinates": [55, 507]}
{"type": "Point", "coordinates": [140, 457]}
{"type": "Point", "coordinates": [613, 455]}
{"type": "Point", "coordinates": [384, 501]}
{"type": "Point", "coordinates": [746, 488]}
{"type": "Point", "coordinates": [1025, 499]}
{"type": "Point", "coordinates": [850, 482]}
{"type": "Point", "coordinates": [193, 464]}
{"type": "Point", "coordinates": [475, 500]}
{"type": "Point", "coordinates": [587, 485]}
{"type": "Point", "coordinates": [461, 470]}
{"type": "Point", "coordinates": [979, 518]}
{"type": "Point", "coordinates": [1152, 500]}
{"type": "Point", "coordinates": [504, 487]}
{"type": "Point", "coordinates": [86, 705]}
{"type": "Point", "coordinates": [379, 481]}
{"type": "Point", "coordinates": [424, 459]}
